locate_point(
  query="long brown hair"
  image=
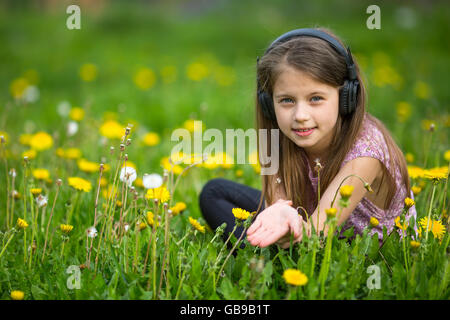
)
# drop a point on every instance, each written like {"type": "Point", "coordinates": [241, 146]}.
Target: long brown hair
{"type": "Point", "coordinates": [317, 58]}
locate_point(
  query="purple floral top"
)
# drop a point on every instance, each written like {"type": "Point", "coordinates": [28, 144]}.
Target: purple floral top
{"type": "Point", "coordinates": [371, 143]}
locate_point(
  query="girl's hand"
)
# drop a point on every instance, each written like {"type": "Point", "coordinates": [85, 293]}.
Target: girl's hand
{"type": "Point", "coordinates": [285, 242]}
{"type": "Point", "coordinates": [275, 222]}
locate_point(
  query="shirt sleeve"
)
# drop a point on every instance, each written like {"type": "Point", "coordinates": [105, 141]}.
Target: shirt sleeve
{"type": "Point", "coordinates": [370, 143]}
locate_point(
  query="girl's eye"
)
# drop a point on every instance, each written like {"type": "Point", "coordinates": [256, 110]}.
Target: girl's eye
{"type": "Point", "coordinates": [316, 99]}
{"type": "Point", "coordinates": [282, 100]}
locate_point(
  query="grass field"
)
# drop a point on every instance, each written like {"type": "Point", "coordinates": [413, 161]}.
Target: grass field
{"type": "Point", "coordinates": [67, 97]}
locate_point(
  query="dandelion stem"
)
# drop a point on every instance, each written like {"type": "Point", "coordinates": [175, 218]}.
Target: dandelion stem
{"type": "Point", "coordinates": [229, 254]}
{"type": "Point", "coordinates": [404, 255]}
{"type": "Point", "coordinates": [223, 247]}
{"type": "Point", "coordinates": [8, 192]}
{"type": "Point", "coordinates": [7, 243]}
{"type": "Point", "coordinates": [429, 212]}
{"type": "Point", "coordinates": [12, 201]}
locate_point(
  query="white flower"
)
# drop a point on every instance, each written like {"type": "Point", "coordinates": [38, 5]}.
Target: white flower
{"type": "Point", "coordinates": [63, 108]}
{"type": "Point", "coordinates": [92, 232]}
{"type": "Point", "coordinates": [41, 201]}
{"type": "Point", "coordinates": [12, 172]}
{"type": "Point", "coordinates": [72, 128]}
{"type": "Point", "coordinates": [128, 175]}
{"type": "Point", "coordinates": [126, 226]}
{"type": "Point", "coordinates": [152, 181]}
{"type": "Point", "coordinates": [31, 94]}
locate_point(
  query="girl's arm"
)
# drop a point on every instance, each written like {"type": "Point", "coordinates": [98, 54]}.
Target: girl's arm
{"type": "Point", "coordinates": [268, 228]}
{"type": "Point", "coordinates": [368, 169]}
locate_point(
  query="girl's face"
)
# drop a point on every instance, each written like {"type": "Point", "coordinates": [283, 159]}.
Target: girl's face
{"type": "Point", "coordinates": [302, 102]}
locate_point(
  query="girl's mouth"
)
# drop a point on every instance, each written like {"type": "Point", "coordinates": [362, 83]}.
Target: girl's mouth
{"type": "Point", "coordinates": [303, 133]}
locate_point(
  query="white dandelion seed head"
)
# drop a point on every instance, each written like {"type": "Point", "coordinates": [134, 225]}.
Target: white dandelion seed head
{"type": "Point", "coordinates": [31, 94]}
{"type": "Point", "coordinates": [63, 108]}
{"type": "Point", "coordinates": [126, 227]}
{"type": "Point", "coordinates": [41, 201]}
{"type": "Point", "coordinates": [72, 128]}
{"type": "Point", "coordinates": [12, 172]}
{"type": "Point", "coordinates": [92, 232]}
{"type": "Point", "coordinates": [128, 175]}
{"type": "Point", "coordinates": [152, 181]}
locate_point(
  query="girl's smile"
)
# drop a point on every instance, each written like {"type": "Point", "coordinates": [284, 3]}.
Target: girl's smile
{"type": "Point", "coordinates": [301, 102]}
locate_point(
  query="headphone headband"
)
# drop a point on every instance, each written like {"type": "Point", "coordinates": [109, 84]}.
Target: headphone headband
{"type": "Point", "coordinates": [348, 93]}
{"type": "Point", "coordinates": [352, 75]}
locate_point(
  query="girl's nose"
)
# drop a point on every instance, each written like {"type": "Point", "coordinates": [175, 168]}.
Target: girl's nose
{"type": "Point", "coordinates": [301, 112]}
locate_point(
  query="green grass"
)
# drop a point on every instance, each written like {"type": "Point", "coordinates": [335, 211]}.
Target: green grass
{"type": "Point", "coordinates": [122, 39]}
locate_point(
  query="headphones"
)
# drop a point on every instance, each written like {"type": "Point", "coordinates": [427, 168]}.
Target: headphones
{"type": "Point", "coordinates": [348, 94]}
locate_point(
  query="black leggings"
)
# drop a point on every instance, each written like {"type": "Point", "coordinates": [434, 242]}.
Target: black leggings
{"type": "Point", "coordinates": [219, 196]}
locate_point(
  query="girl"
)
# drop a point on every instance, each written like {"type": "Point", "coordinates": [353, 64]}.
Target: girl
{"type": "Point", "coordinates": [310, 88]}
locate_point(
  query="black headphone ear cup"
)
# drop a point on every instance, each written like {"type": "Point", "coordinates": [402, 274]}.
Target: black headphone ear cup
{"type": "Point", "coordinates": [343, 99]}
{"type": "Point", "coordinates": [265, 101]}
{"type": "Point", "coordinates": [353, 95]}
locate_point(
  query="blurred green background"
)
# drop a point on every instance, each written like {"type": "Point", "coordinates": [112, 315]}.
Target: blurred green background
{"type": "Point", "coordinates": [406, 61]}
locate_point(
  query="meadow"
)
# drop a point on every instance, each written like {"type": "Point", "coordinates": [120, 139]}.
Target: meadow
{"type": "Point", "coordinates": [93, 205]}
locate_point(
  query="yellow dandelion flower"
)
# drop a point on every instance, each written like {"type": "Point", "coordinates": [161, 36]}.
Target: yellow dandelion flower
{"type": "Point", "coordinates": [196, 225]}
{"type": "Point", "coordinates": [409, 203]}
{"type": "Point", "coordinates": [76, 114]}
{"type": "Point", "coordinates": [111, 129]}
{"type": "Point", "coordinates": [415, 172]}
{"type": "Point", "coordinates": [151, 139]}
{"type": "Point", "coordinates": [60, 152]}
{"type": "Point", "coordinates": [160, 193]}
{"type": "Point", "coordinates": [66, 228]}
{"type": "Point", "coordinates": [193, 125]}
{"type": "Point", "coordinates": [151, 220]}
{"type": "Point", "coordinates": [17, 295]}
{"type": "Point", "coordinates": [41, 174]}
{"type": "Point", "coordinates": [72, 153]}
{"type": "Point", "coordinates": [88, 166]}
{"type": "Point", "coordinates": [409, 157]}
{"type": "Point", "coordinates": [21, 223]}
{"type": "Point", "coordinates": [403, 111]}
{"type": "Point", "coordinates": [374, 221]}
{"type": "Point", "coordinates": [403, 226]}
{"type": "Point", "coordinates": [415, 244]}
{"type": "Point", "coordinates": [331, 212]}
{"type": "Point", "coordinates": [142, 226]}
{"type": "Point", "coordinates": [139, 183]}
{"type": "Point", "coordinates": [416, 190]}
{"type": "Point", "coordinates": [239, 173]}
{"type": "Point", "coordinates": [177, 169]}
{"type": "Point", "coordinates": [25, 139]}
{"type": "Point", "coordinates": [436, 174]}
{"type": "Point", "coordinates": [435, 226]}
{"type": "Point", "coordinates": [295, 277]}
{"type": "Point", "coordinates": [428, 124]}
{"type": "Point", "coordinates": [447, 155]}
{"type": "Point", "coordinates": [35, 191]}
{"type": "Point", "coordinates": [31, 154]}
{"type": "Point", "coordinates": [80, 184]}
{"type": "Point", "coordinates": [178, 208]}
{"type": "Point", "coordinates": [240, 214]}
{"type": "Point", "coordinates": [88, 72]}
{"type": "Point", "coordinates": [41, 141]}
{"type": "Point", "coordinates": [197, 71]}
{"type": "Point", "coordinates": [18, 86]}
{"type": "Point", "coordinates": [144, 78]}
{"type": "Point", "coordinates": [346, 191]}
{"type": "Point", "coordinates": [422, 90]}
